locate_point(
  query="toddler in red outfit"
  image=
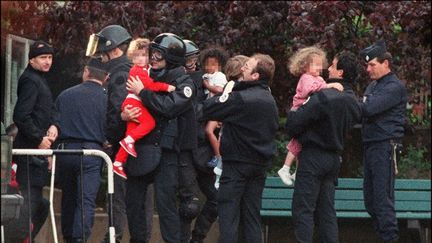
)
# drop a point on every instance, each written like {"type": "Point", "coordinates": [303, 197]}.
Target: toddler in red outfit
{"type": "Point", "coordinates": [138, 52]}
{"type": "Point", "coordinates": [307, 62]}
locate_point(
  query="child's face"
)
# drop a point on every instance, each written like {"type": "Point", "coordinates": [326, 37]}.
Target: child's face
{"type": "Point", "coordinates": [140, 58]}
{"type": "Point", "coordinates": [316, 66]}
{"type": "Point", "coordinates": [211, 65]}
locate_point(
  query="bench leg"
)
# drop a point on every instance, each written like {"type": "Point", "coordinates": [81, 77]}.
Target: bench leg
{"type": "Point", "coordinates": [416, 231]}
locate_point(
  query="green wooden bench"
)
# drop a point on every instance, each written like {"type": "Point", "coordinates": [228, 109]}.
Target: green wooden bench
{"type": "Point", "coordinates": [413, 201]}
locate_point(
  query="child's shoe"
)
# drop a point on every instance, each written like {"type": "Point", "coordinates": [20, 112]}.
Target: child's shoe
{"type": "Point", "coordinates": [285, 176]}
{"type": "Point", "coordinates": [129, 145]}
{"type": "Point", "coordinates": [118, 169]}
{"type": "Point", "coordinates": [214, 161]}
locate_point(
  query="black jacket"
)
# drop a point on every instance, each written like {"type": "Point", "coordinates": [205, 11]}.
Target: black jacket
{"type": "Point", "coordinates": [119, 73]}
{"type": "Point", "coordinates": [384, 108]}
{"type": "Point", "coordinates": [175, 109]}
{"type": "Point", "coordinates": [324, 119]}
{"type": "Point", "coordinates": [250, 121]}
{"type": "Point", "coordinates": [34, 110]}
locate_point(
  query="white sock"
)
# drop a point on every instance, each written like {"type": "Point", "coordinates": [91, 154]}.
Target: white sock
{"type": "Point", "coordinates": [129, 139]}
{"type": "Point", "coordinates": [286, 167]}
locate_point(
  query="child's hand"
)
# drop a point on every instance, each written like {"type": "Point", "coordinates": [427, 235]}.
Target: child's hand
{"type": "Point", "coordinates": [171, 88]}
{"type": "Point", "coordinates": [134, 85]}
{"type": "Point", "coordinates": [337, 86]}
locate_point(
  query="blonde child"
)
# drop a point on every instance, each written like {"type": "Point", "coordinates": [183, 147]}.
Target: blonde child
{"type": "Point", "coordinates": [138, 52]}
{"type": "Point", "coordinates": [308, 64]}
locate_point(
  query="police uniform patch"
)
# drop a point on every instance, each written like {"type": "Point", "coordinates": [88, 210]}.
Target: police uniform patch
{"type": "Point", "coordinates": [223, 98]}
{"type": "Point", "coordinates": [187, 91]}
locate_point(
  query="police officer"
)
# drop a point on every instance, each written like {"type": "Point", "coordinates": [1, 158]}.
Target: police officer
{"type": "Point", "coordinates": [383, 107]}
{"type": "Point", "coordinates": [82, 113]}
{"type": "Point", "coordinates": [320, 125]}
{"type": "Point", "coordinates": [250, 118]}
{"type": "Point", "coordinates": [111, 44]}
{"type": "Point", "coordinates": [199, 172]}
{"type": "Point", "coordinates": [34, 115]}
{"type": "Point", "coordinates": [175, 128]}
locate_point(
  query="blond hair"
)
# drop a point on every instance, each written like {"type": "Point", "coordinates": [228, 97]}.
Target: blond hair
{"type": "Point", "coordinates": [300, 61]}
{"type": "Point", "coordinates": [233, 67]}
{"type": "Point", "coordinates": [137, 44]}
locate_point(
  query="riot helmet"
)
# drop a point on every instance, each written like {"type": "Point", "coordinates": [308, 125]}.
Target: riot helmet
{"type": "Point", "coordinates": [172, 48]}
{"type": "Point", "coordinates": [192, 54]}
{"type": "Point", "coordinates": [107, 39]}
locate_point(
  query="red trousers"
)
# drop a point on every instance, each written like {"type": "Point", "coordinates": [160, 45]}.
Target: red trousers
{"type": "Point", "coordinates": [133, 129]}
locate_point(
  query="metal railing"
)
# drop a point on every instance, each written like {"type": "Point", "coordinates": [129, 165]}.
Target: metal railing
{"type": "Point", "coordinates": [82, 152]}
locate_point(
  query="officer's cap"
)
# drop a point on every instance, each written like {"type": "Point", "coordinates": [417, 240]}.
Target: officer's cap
{"type": "Point", "coordinates": [376, 50]}
{"type": "Point", "coordinates": [96, 63]}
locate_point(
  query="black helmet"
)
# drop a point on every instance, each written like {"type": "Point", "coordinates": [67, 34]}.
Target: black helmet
{"type": "Point", "coordinates": [171, 46]}
{"type": "Point", "coordinates": [191, 48]}
{"type": "Point", "coordinates": [107, 39]}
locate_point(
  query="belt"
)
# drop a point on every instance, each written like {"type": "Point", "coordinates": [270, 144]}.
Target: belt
{"type": "Point", "coordinates": [76, 140]}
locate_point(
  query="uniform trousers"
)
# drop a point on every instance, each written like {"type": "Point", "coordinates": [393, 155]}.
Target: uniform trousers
{"type": "Point", "coordinates": [69, 169]}
{"type": "Point", "coordinates": [314, 193]}
{"type": "Point", "coordinates": [378, 188]}
{"type": "Point", "coordinates": [239, 201]}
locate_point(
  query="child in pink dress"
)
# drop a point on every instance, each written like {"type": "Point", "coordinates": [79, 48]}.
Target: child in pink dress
{"type": "Point", "coordinates": [307, 62]}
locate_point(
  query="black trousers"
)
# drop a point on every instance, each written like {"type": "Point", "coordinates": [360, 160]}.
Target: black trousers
{"type": "Point", "coordinates": [139, 207]}
{"type": "Point", "coordinates": [314, 193]}
{"type": "Point", "coordinates": [239, 201]}
{"type": "Point", "coordinates": [378, 188]}
{"type": "Point", "coordinates": [208, 214]}
{"type": "Point", "coordinates": [166, 188]}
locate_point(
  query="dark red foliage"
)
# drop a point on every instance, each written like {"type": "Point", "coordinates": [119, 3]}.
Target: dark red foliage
{"type": "Point", "coordinates": [277, 28]}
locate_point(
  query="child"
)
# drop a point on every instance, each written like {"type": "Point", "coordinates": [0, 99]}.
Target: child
{"type": "Point", "coordinates": [234, 73]}
{"type": "Point", "coordinates": [214, 80]}
{"type": "Point", "coordinates": [307, 62]}
{"type": "Point", "coordinates": [138, 52]}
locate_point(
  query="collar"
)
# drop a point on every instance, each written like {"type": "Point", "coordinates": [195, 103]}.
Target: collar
{"type": "Point", "coordinates": [113, 63]}
{"type": "Point", "coordinates": [385, 76]}
{"type": "Point", "coordinates": [348, 87]}
{"type": "Point", "coordinates": [241, 85]}
{"type": "Point", "coordinates": [35, 70]}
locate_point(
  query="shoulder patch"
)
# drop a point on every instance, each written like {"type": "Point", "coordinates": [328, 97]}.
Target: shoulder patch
{"type": "Point", "coordinates": [187, 91]}
{"type": "Point", "coordinates": [223, 98]}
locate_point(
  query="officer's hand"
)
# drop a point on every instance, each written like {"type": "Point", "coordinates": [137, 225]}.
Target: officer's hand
{"type": "Point", "coordinates": [131, 113]}
{"type": "Point", "coordinates": [134, 85]}
{"type": "Point", "coordinates": [337, 86]}
{"type": "Point", "coordinates": [49, 159]}
{"type": "Point", "coordinates": [52, 132]}
{"type": "Point", "coordinates": [46, 143]}
{"type": "Point", "coordinates": [171, 88]}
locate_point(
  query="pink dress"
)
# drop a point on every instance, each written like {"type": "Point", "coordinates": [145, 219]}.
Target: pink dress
{"type": "Point", "coordinates": [307, 85]}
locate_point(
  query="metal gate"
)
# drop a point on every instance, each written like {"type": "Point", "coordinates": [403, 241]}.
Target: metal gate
{"type": "Point", "coordinates": [82, 152]}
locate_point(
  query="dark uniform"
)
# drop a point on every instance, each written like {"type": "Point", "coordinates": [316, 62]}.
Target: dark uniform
{"type": "Point", "coordinates": [250, 119]}
{"type": "Point", "coordinates": [34, 113]}
{"type": "Point", "coordinates": [82, 113]}
{"type": "Point", "coordinates": [383, 107]}
{"type": "Point", "coordinates": [201, 174]}
{"type": "Point", "coordinates": [115, 130]}
{"type": "Point", "coordinates": [320, 125]}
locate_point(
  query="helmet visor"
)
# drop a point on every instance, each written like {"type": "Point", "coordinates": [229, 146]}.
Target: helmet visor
{"type": "Point", "coordinates": [92, 45]}
{"type": "Point", "coordinates": [191, 62]}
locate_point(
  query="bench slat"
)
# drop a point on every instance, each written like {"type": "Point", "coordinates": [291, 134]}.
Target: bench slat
{"type": "Point", "coordinates": [352, 205]}
{"type": "Point", "coordinates": [353, 183]}
{"type": "Point", "coordinates": [347, 214]}
{"type": "Point", "coordinates": [279, 193]}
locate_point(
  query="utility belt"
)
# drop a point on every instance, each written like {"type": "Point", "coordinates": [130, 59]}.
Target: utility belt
{"type": "Point", "coordinates": [76, 140]}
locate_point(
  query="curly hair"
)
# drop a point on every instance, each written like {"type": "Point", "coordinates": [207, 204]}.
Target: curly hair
{"type": "Point", "coordinates": [137, 44]}
{"type": "Point", "coordinates": [233, 67]}
{"type": "Point", "coordinates": [217, 52]}
{"type": "Point", "coordinates": [299, 62]}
